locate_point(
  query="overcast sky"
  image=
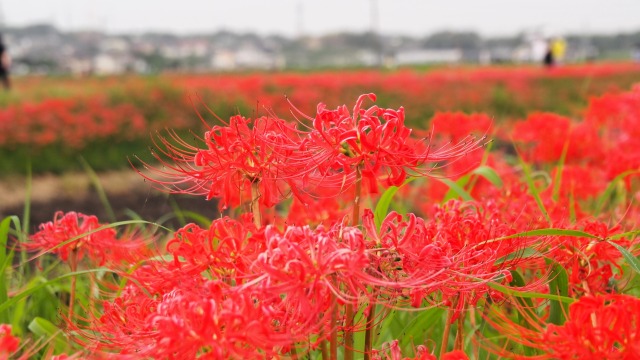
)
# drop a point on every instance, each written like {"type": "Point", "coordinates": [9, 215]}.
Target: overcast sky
{"type": "Point", "coordinates": [290, 17]}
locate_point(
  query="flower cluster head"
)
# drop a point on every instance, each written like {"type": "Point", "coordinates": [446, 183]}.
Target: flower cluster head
{"type": "Point", "coordinates": [276, 158]}
{"type": "Point", "coordinates": [597, 327]}
{"type": "Point", "coordinates": [453, 255]}
{"type": "Point", "coordinates": [72, 232]}
{"type": "Point", "coordinates": [8, 343]}
{"type": "Point", "coordinates": [82, 235]}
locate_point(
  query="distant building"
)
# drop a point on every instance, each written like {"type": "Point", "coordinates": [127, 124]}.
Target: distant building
{"type": "Point", "coordinates": [428, 56]}
{"type": "Point", "coordinates": [246, 57]}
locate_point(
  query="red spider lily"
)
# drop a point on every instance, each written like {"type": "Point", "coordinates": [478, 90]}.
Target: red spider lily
{"type": "Point", "coordinates": [391, 351]}
{"type": "Point", "coordinates": [453, 255]}
{"type": "Point", "coordinates": [76, 232]}
{"type": "Point", "coordinates": [210, 321]}
{"type": "Point", "coordinates": [545, 136]}
{"type": "Point", "coordinates": [8, 343]}
{"type": "Point", "coordinates": [319, 263]}
{"type": "Point", "coordinates": [597, 327]}
{"type": "Point", "coordinates": [374, 142]}
{"type": "Point", "coordinates": [243, 153]}
{"type": "Point", "coordinates": [590, 262]}
{"type": "Point", "coordinates": [227, 278]}
{"type": "Point", "coordinates": [581, 182]}
{"type": "Point", "coordinates": [456, 126]}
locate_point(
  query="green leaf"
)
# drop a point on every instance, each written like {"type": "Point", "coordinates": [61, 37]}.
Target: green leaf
{"type": "Point", "coordinates": [628, 234]}
{"type": "Point", "coordinates": [455, 187]}
{"type": "Point", "coordinates": [631, 260]}
{"type": "Point", "coordinates": [533, 189]}
{"type": "Point", "coordinates": [102, 195]}
{"type": "Point", "coordinates": [489, 174]}
{"type": "Point", "coordinates": [519, 254]}
{"type": "Point", "coordinates": [557, 180]}
{"type": "Point", "coordinates": [415, 330]}
{"type": "Point", "coordinates": [606, 195]}
{"type": "Point", "coordinates": [35, 287]}
{"type": "Point", "coordinates": [5, 261]}
{"type": "Point", "coordinates": [45, 329]}
{"type": "Point", "coordinates": [529, 294]}
{"type": "Point", "coordinates": [548, 232]}
{"type": "Point", "coordinates": [526, 305]}
{"type": "Point", "coordinates": [199, 218]}
{"type": "Point", "coordinates": [107, 226]}
{"type": "Point", "coordinates": [452, 194]}
{"type": "Point", "coordinates": [559, 285]}
{"type": "Point", "coordinates": [382, 207]}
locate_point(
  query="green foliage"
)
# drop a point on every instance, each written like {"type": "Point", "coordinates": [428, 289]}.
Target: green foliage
{"type": "Point", "coordinates": [558, 285]}
{"type": "Point", "coordinates": [49, 334]}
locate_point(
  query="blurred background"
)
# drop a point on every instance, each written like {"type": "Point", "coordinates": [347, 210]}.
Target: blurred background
{"type": "Point", "coordinates": [88, 82]}
{"type": "Point", "coordinates": [101, 37]}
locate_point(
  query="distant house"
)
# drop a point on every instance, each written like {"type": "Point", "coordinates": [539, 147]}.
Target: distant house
{"type": "Point", "coordinates": [107, 64]}
{"type": "Point", "coordinates": [428, 56]}
{"type": "Point", "coordinates": [246, 57]}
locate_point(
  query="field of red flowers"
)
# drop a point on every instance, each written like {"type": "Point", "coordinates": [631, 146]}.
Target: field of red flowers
{"type": "Point", "coordinates": [49, 122]}
{"type": "Point", "coordinates": [470, 214]}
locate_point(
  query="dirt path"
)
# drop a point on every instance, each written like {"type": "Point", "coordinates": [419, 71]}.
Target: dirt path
{"type": "Point", "coordinates": [125, 190]}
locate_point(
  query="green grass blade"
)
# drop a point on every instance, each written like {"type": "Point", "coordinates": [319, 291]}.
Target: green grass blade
{"type": "Point", "coordinates": [415, 330]}
{"type": "Point", "coordinates": [198, 218]}
{"type": "Point", "coordinates": [559, 285]}
{"type": "Point", "coordinates": [49, 332]}
{"type": "Point", "coordinates": [548, 232]}
{"type": "Point", "coordinates": [606, 195]}
{"type": "Point", "coordinates": [533, 189]}
{"type": "Point", "coordinates": [102, 195]}
{"type": "Point", "coordinates": [529, 294]}
{"type": "Point", "coordinates": [456, 188]}
{"type": "Point", "coordinates": [26, 216]}
{"type": "Point", "coordinates": [5, 261]}
{"type": "Point", "coordinates": [490, 175]}
{"type": "Point", "coordinates": [382, 207]}
{"type": "Point", "coordinates": [526, 305]}
{"type": "Point", "coordinates": [628, 234]}
{"type": "Point", "coordinates": [519, 254]}
{"type": "Point", "coordinates": [557, 180]}
{"type": "Point", "coordinates": [35, 287]}
{"type": "Point", "coordinates": [108, 226]}
{"type": "Point", "coordinates": [631, 260]}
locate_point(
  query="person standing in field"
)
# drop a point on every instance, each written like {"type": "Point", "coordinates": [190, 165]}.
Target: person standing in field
{"type": "Point", "coordinates": [548, 59]}
{"type": "Point", "coordinates": [558, 48]}
{"type": "Point", "coordinates": [5, 63]}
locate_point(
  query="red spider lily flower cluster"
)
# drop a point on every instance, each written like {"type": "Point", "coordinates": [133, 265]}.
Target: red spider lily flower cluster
{"type": "Point", "coordinates": [241, 289]}
{"type": "Point", "coordinates": [392, 351]}
{"type": "Point", "coordinates": [8, 343]}
{"type": "Point", "coordinates": [597, 327]}
{"type": "Point", "coordinates": [456, 252]}
{"type": "Point", "coordinates": [81, 234]}
{"type": "Point", "coordinates": [73, 122]}
{"type": "Point", "coordinates": [278, 159]}
{"type": "Point", "coordinates": [237, 155]}
{"type": "Point", "coordinates": [233, 291]}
